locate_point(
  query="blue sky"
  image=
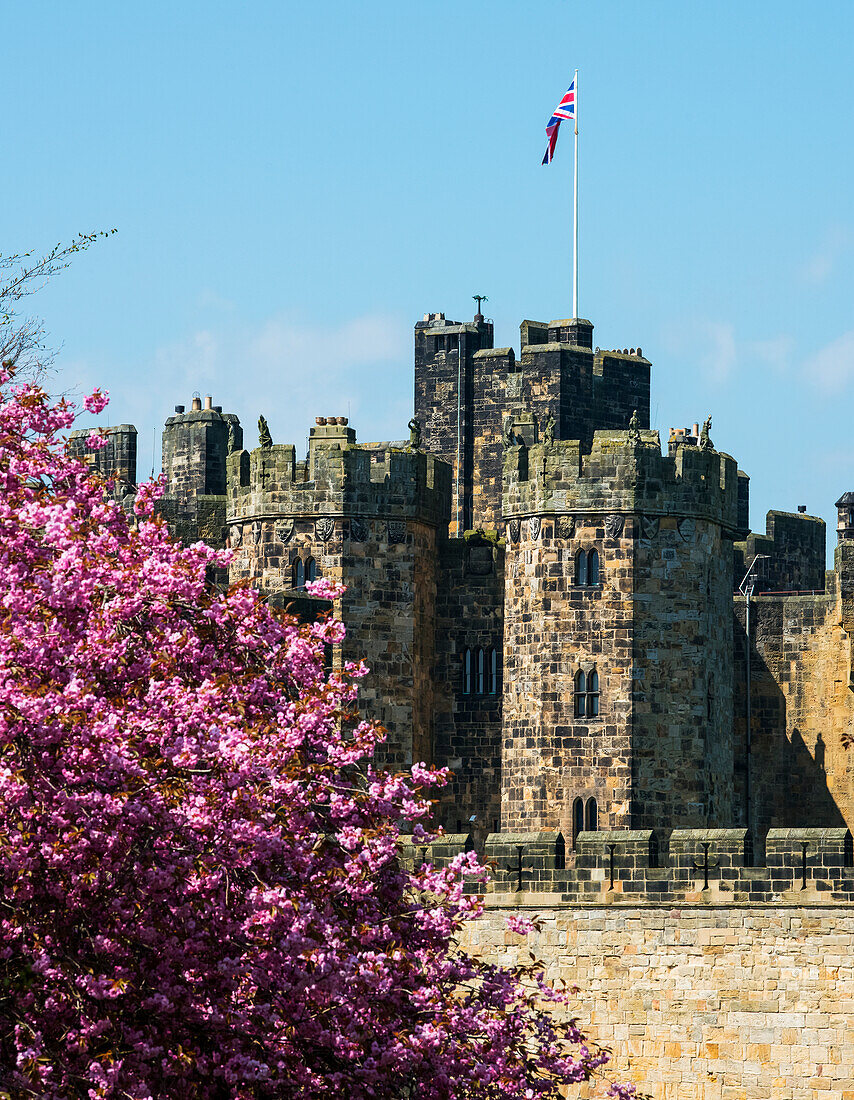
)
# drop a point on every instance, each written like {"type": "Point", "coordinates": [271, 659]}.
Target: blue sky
{"type": "Point", "coordinates": [295, 185]}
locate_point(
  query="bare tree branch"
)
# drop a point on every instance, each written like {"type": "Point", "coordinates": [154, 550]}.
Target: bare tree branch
{"type": "Point", "coordinates": [22, 339]}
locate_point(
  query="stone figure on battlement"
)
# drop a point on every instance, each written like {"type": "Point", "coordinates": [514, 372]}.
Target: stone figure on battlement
{"type": "Point", "coordinates": [549, 430]}
{"type": "Point", "coordinates": [634, 428]}
{"type": "Point", "coordinates": [705, 443]}
{"type": "Point", "coordinates": [414, 434]}
{"type": "Point", "coordinates": [265, 440]}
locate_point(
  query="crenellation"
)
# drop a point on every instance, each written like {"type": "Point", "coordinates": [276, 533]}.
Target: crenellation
{"type": "Point", "coordinates": [682, 866]}
{"type": "Point", "coordinates": [545, 600]}
{"type": "Point", "coordinates": [546, 604]}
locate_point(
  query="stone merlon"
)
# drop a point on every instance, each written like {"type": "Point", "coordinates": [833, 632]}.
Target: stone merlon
{"type": "Point", "coordinates": [621, 476]}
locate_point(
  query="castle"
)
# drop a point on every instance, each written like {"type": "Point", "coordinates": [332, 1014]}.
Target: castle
{"type": "Point", "coordinates": [545, 600]}
{"type": "Point", "coordinates": [644, 706]}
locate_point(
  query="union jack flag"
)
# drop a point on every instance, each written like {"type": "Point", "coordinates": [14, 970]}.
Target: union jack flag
{"type": "Point", "coordinates": [564, 110]}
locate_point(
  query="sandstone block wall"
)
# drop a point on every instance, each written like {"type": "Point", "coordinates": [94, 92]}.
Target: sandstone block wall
{"type": "Point", "coordinates": [116, 460]}
{"type": "Point", "coordinates": [467, 727]}
{"type": "Point", "coordinates": [793, 549]}
{"type": "Point", "coordinates": [368, 518]}
{"type": "Point", "coordinates": [802, 705]}
{"type": "Point", "coordinates": [711, 1002]}
{"type": "Point", "coordinates": [655, 629]}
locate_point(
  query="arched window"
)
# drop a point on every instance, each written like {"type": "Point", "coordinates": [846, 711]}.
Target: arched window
{"type": "Point", "coordinates": [480, 683]}
{"type": "Point", "coordinates": [577, 819]}
{"type": "Point", "coordinates": [466, 672]}
{"type": "Point", "coordinates": [580, 694]}
{"type": "Point", "coordinates": [311, 570]}
{"type": "Point", "coordinates": [591, 816]}
{"type": "Point", "coordinates": [581, 567]}
{"type": "Point", "coordinates": [592, 694]}
{"type": "Point", "coordinates": [493, 671]}
{"type": "Point", "coordinates": [593, 567]}
{"type": "Point", "coordinates": [298, 573]}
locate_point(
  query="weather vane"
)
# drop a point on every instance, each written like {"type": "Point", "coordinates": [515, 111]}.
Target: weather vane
{"type": "Point", "coordinates": [480, 298]}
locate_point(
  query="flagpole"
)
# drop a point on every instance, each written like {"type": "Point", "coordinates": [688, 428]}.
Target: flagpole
{"type": "Point", "coordinates": [575, 212]}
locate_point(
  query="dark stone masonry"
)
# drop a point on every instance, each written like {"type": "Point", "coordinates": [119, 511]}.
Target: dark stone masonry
{"type": "Point", "coordinates": [548, 602]}
{"type": "Point", "coordinates": [567, 618]}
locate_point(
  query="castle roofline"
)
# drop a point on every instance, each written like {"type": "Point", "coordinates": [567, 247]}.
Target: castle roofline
{"type": "Point", "coordinates": [112, 429]}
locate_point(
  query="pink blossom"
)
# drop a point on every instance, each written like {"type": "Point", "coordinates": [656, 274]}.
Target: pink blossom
{"type": "Point", "coordinates": [96, 401]}
{"type": "Point", "coordinates": [95, 441]}
{"type": "Point", "coordinates": [204, 892]}
{"type": "Point", "coordinates": [326, 589]}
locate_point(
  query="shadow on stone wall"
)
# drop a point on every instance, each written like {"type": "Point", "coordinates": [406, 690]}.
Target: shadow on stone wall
{"type": "Point", "coordinates": [788, 778]}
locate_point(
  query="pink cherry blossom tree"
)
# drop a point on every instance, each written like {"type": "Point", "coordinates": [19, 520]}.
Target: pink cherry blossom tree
{"type": "Point", "coordinates": [202, 888]}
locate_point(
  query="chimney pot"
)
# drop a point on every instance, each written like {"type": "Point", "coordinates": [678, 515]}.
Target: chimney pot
{"type": "Point", "coordinates": [802, 507]}
{"type": "Point", "coordinates": [208, 401]}
{"type": "Point", "coordinates": [197, 404]}
{"type": "Point", "coordinates": [179, 408]}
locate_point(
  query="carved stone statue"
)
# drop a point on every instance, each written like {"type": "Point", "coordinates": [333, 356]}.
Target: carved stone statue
{"type": "Point", "coordinates": [507, 436]}
{"type": "Point", "coordinates": [634, 427]}
{"type": "Point", "coordinates": [264, 437]}
{"type": "Point", "coordinates": [232, 437]}
{"type": "Point", "coordinates": [549, 430]}
{"type": "Point", "coordinates": [705, 443]}
{"type": "Point", "coordinates": [414, 434]}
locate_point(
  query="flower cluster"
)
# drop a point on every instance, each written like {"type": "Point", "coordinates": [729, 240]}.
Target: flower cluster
{"type": "Point", "coordinates": [202, 888]}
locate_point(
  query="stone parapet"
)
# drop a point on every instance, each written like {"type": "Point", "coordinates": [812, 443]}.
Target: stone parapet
{"type": "Point", "coordinates": [621, 475]}
{"type": "Point", "coordinates": [791, 553]}
{"type": "Point", "coordinates": [343, 480]}
{"type": "Point", "coordinates": [684, 867]}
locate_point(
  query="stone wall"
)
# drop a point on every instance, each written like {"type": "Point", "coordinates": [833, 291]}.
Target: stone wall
{"type": "Point", "coordinates": [654, 629]}
{"type": "Point", "coordinates": [558, 376]}
{"type": "Point", "coordinates": [370, 518]}
{"type": "Point", "coordinates": [802, 705]}
{"type": "Point", "coordinates": [449, 402]}
{"type": "Point", "coordinates": [711, 978]}
{"type": "Point", "coordinates": [467, 725]}
{"type": "Point", "coordinates": [116, 460]}
{"type": "Point", "coordinates": [793, 551]}
{"type": "Point", "coordinates": [707, 1002]}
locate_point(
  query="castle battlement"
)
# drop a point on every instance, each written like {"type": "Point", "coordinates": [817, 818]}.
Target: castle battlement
{"type": "Point", "coordinates": [622, 474]}
{"type": "Point", "coordinates": [682, 866]}
{"type": "Point", "coordinates": [340, 479]}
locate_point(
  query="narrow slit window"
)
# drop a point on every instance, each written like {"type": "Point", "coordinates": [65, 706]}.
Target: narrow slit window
{"type": "Point", "coordinates": [593, 567]}
{"type": "Point", "coordinates": [311, 570]}
{"type": "Point", "coordinates": [298, 573]}
{"type": "Point", "coordinates": [480, 689]}
{"type": "Point", "coordinates": [580, 694]}
{"type": "Point", "coordinates": [466, 672]}
{"type": "Point", "coordinates": [593, 694]}
{"type": "Point", "coordinates": [577, 819]}
{"type": "Point", "coordinates": [581, 567]}
{"type": "Point", "coordinates": [591, 816]}
{"type": "Point", "coordinates": [493, 671]}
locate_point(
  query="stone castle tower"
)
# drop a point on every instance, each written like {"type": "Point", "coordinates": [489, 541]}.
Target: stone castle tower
{"type": "Point", "coordinates": [544, 598]}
